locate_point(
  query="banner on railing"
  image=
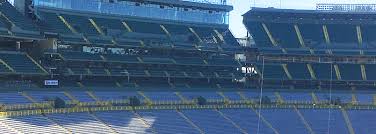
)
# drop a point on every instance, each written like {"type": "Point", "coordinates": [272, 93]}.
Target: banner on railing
{"type": "Point", "coordinates": [51, 82]}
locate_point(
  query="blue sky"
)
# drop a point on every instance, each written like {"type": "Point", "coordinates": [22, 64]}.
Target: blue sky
{"type": "Point", "coordinates": [242, 6]}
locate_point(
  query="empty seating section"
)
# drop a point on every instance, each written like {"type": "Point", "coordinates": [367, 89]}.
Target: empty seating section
{"type": "Point", "coordinates": [299, 71]}
{"type": "Point", "coordinates": [176, 73]}
{"type": "Point", "coordinates": [82, 96]}
{"type": "Point", "coordinates": [232, 95]}
{"type": "Point", "coordinates": [255, 96]}
{"type": "Point", "coordinates": [341, 33]}
{"type": "Point", "coordinates": [312, 34]}
{"type": "Point", "coordinates": [248, 120]}
{"type": "Point", "coordinates": [350, 71]}
{"type": "Point", "coordinates": [16, 17]}
{"type": "Point", "coordinates": [110, 24]}
{"type": "Point", "coordinates": [222, 62]}
{"type": "Point", "coordinates": [323, 71]}
{"type": "Point", "coordinates": [284, 34]}
{"type": "Point", "coordinates": [194, 74]}
{"type": "Point", "coordinates": [81, 56]}
{"type": "Point", "coordinates": [13, 98]}
{"type": "Point", "coordinates": [98, 71]}
{"type": "Point", "coordinates": [41, 96]}
{"type": "Point", "coordinates": [272, 71]}
{"type": "Point", "coordinates": [81, 24]}
{"type": "Point", "coordinates": [278, 118]}
{"type": "Point", "coordinates": [359, 118]}
{"type": "Point", "coordinates": [74, 39]}
{"type": "Point", "coordinates": [80, 123]}
{"type": "Point", "coordinates": [124, 122]}
{"type": "Point", "coordinates": [118, 72]}
{"type": "Point", "coordinates": [79, 70]}
{"type": "Point", "coordinates": [3, 27]}
{"type": "Point", "coordinates": [133, 72]}
{"type": "Point", "coordinates": [298, 51]}
{"type": "Point", "coordinates": [318, 120]}
{"type": "Point", "coordinates": [208, 120]}
{"type": "Point", "coordinates": [346, 53]}
{"type": "Point", "coordinates": [157, 60]}
{"type": "Point", "coordinates": [367, 33]}
{"type": "Point", "coordinates": [364, 98]}
{"type": "Point", "coordinates": [258, 34]}
{"type": "Point", "coordinates": [145, 27]}
{"type": "Point", "coordinates": [35, 124]}
{"type": "Point", "coordinates": [20, 63]}
{"type": "Point", "coordinates": [296, 96]}
{"type": "Point", "coordinates": [120, 58]}
{"type": "Point", "coordinates": [370, 71]}
{"type": "Point", "coordinates": [326, 96]}
{"type": "Point", "coordinates": [4, 69]}
{"type": "Point", "coordinates": [52, 23]}
{"type": "Point", "coordinates": [167, 122]}
{"type": "Point", "coordinates": [99, 83]}
{"type": "Point", "coordinates": [206, 95]}
{"type": "Point", "coordinates": [157, 73]}
{"type": "Point", "coordinates": [190, 61]}
{"type": "Point", "coordinates": [162, 96]}
{"type": "Point", "coordinates": [100, 40]}
{"type": "Point", "coordinates": [116, 95]}
{"type": "Point", "coordinates": [6, 130]}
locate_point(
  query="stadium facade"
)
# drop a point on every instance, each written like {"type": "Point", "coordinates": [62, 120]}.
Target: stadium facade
{"type": "Point", "coordinates": [157, 66]}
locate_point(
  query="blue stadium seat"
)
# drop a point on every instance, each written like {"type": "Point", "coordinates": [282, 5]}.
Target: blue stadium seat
{"type": "Point", "coordinates": [206, 95]}
{"type": "Point", "coordinates": [370, 71]}
{"type": "Point", "coordinates": [116, 95]}
{"type": "Point", "coordinates": [278, 118]}
{"type": "Point", "coordinates": [32, 124]}
{"type": "Point", "coordinates": [162, 96]}
{"type": "Point", "coordinates": [259, 35]}
{"type": "Point", "coordinates": [312, 35]}
{"type": "Point", "coordinates": [284, 34]}
{"type": "Point", "coordinates": [82, 96]}
{"type": "Point", "coordinates": [124, 121]}
{"type": "Point", "coordinates": [81, 56]}
{"type": "Point", "coordinates": [41, 96]}
{"type": "Point", "coordinates": [247, 120]}
{"type": "Point", "coordinates": [13, 98]}
{"type": "Point", "coordinates": [272, 71]}
{"type": "Point", "coordinates": [208, 120]}
{"type": "Point", "coordinates": [350, 71]}
{"type": "Point", "coordinates": [323, 71]}
{"type": "Point", "coordinates": [299, 71]}
{"type": "Point", "coordinates": [21, 63]}
{"type": "Point", "coordinates": [17, 18]}
{"type": "Point", "coordinates": [318, 119]}
{"type": "Point", "coordinates": [84, 123]}
{"type": "Point", "coordinates": [296, 96]}
{"type": "Point", "coordinates": [81, 24]}
{"type": "Point", "coordinates": [168, 121]}
{"type": "Point", "coordinates": [342, 33]}
{"type": "Point", "coordinates": [51, 23]}
{"type": "Point", "coordinates": [359, 118]}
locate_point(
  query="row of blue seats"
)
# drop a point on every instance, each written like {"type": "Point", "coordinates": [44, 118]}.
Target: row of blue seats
{"type": "Point", "coordinates": [312, 34]}
{"type": "Point", "coordinates": [82, 56]}
{"type": "Point", "coordinates": [221, 121]}
{"type": "Point", "coordinates": [322, 71]}
{"type": "Point", "coordinates": [18, 98]}
{"type": "Point", "coordinates": [20, 63]}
